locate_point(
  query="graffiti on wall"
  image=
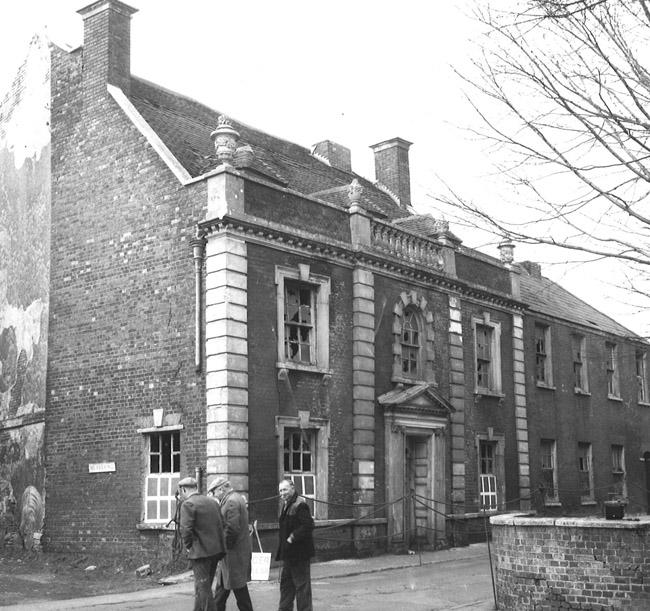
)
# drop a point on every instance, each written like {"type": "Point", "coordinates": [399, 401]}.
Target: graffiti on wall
{"type": "Point", "coordinates": [25, 198]}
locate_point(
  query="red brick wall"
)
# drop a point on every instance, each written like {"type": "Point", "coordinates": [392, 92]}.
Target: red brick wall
{"type": "Point", "coordinates": [568, 418]}
{"type": "Point", "coordinates": [481, 273]}
{"type": "Point", "coordinates": [269, 397]}
{"type": "Point", "coordinates": [543, 563]}
{"type": "Point", "coordinates": [294, 211]}
{"type": "Point", "coordinates": [489, 411]}
{"type": "Point", "coordinates": [122, 312]}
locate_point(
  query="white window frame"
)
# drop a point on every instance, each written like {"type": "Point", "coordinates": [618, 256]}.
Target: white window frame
{"type": "Point", "coordinates": [641, 362]}
{"type": "Point", "coordinates": [168, 479]}
{"type": "Point", "coordinates": [494, 376]}
{"type": "Point", "coordinates": [580, 341]}
{"type": "Point", "coordinates": [585, 465]}
{"type": "Point", "coordinates": [320, 429]}
{"type": "Point", "coordinates": [611, 365]}
{"type": "Point", "coordinates": [619, 474]}
{"type": "Point", "coordinates": [553, 498]}
{"type": "Point", "coordinates": [300, 477]}
{"type": "Point", "coordinates": [320, 333]}
{"type": "Point", "coordinates": [546, 355]}
{"type": "Point", "coordinates": [491, 485]}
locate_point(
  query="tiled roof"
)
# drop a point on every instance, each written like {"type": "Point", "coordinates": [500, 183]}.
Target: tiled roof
{"type": "Point", "coordinates": [185, 125]}
{"type": "Point", "coordinates": [420, 223]}
{"type": "Point", "coordinates": [545, 296]}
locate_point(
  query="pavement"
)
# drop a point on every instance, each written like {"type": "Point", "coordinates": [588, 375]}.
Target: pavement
{"type": "Point", "coordinates": [332, 569]}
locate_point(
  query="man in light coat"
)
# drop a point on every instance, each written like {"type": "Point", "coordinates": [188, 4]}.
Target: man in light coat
{"type": "Point", "coordinates": [203, 539]}
{"type": "Point", "coordinates": [234, 570]}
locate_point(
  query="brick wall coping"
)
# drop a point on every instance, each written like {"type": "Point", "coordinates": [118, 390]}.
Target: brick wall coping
{"type": "Point", "coordinates": [640, 522]}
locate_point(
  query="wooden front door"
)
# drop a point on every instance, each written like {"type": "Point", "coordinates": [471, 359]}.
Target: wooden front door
{"type": "Point", "coordinates": [416, 487]}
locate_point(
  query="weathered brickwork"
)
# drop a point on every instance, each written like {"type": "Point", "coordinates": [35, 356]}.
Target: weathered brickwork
{"type": "Point", "coordinates": [548, 564]}
{"type": "Point", "coordinates": [294, 211]}
{"type": "Point", "coordinates": [485, 412]}
{"type": "Point", "coordinates": [122, 302]}
{"type": "Point", "coordinates": [328, 397]}
{"type": "Point", "coordinates": [559, 413]}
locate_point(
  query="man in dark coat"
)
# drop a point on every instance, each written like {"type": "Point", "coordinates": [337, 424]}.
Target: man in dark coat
{"type": "Point", "coordinates": [295, 549]}
{"type": "Point", "coordinates": [234, 570]}
{"type": "Point", "coordinates": [203, 538]}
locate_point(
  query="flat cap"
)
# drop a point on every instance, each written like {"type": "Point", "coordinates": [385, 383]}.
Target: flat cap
{"type": "Point", "coordinates": [220, 480]}
{"type": "Point", "coordinates": [188, 482]}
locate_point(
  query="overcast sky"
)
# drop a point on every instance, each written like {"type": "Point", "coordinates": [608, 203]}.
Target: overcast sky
{"type": "Point", "coordinates": [356, 72]}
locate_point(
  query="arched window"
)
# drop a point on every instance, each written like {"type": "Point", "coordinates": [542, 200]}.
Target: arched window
{"type": "Point", "coordinates": [413, 352]}
{"type": "Point", "coordinates": [410, 344]}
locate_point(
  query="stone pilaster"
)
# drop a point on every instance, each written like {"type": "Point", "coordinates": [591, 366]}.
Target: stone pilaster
{"type": "Point", "coordinates": [521, 418]}
{"type": "Point", "coordinates": [457, 399]}
{"type": "Point", "coordinates": [227, 358]}
{"type": "Point", "coordinates": [363, 389]}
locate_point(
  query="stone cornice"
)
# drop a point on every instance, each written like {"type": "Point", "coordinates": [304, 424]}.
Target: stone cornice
{"type": "Point", "coordinates": [283, 236]}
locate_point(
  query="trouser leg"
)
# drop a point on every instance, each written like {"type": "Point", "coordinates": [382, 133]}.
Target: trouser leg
{"type": "Point", "coordinates": [243, 597]}
{"type": "Point", "coordinates": [301, 574]}
{"type": "Point", "coordinates": [287, 590]}
{"type": "Point", "coordinates": [204, 569]}
{"type": "Point", "coordinates": [221, 596]}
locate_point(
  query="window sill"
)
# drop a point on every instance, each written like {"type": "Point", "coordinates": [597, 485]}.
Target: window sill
{"type": "Point", "coordinates": [589, 502]}
{"type": "Point", "coordinates": [545, 386]}
{"type": "Point", "coordinates": [412, 381]}
{"type": "Point", "coordinates": [483, 392]}
{"type": "Point", "coordinates": [643, 403]}
{"type": "Point", "coordinates": [155, 526]}
{"type": "Point", "coordinates": [302, 367]}
{"type": "Point", "coordinates": [582, 393]}
{"type": "Point", "coordinates": [615, 398]}
{"type": "Point", "coordinates": [160, 429]}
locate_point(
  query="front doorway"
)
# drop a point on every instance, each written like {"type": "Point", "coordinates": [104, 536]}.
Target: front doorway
{"type": "Point", "coordinates": [417, 493]}
{"type": "Point", "coordinates": [416, 426]}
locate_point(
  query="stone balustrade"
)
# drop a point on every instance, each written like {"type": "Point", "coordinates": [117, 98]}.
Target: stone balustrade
{"type": "Point", "coordinates": [405, 245]}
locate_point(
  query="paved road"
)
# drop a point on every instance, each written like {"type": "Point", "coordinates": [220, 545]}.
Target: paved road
{"type": "Point", "coordinates": [456, 584]}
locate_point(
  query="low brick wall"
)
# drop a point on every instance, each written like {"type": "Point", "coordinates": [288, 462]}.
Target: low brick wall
{"type": "Point", "coordinates": [571, 563]}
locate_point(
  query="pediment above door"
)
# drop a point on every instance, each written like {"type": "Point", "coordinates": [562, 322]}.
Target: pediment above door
{"type": "Point", "coordinates": [422, 399]}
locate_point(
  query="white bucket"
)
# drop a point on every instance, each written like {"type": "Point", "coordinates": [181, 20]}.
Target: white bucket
{"type": "Point", "coordinates": [260, 566]}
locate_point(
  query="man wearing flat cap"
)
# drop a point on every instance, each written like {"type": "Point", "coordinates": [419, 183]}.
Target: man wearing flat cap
{"type": "Point", "coordinates": [203, 538]}
{"type": "Point", "coordinates": [234, 571]}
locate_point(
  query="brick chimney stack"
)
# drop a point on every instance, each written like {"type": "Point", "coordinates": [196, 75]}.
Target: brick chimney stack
{"type": "Point", "coordinates": [338, 155]}
{"type": "Point", "coordinates": [392, 167]}
{"type": "Point", "coordinates": [106, 47]}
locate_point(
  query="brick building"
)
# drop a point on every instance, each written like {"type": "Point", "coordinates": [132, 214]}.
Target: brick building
{"type": "Point", "coordinates": [212, 299]}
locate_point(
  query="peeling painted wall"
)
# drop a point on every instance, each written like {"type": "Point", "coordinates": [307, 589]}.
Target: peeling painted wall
{"type": "Point", "coordinates": [24, 293]}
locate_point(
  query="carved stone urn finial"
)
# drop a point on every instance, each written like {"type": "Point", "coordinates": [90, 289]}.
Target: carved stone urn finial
{"type": "Point", "coordinates": [225, 140]}
{"type": "Point", "coordinates": [441, 226]}
{"type": "Point", "coordinates": [354, 192]}
{"type": "Point", "coordinates": [507, 251]}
